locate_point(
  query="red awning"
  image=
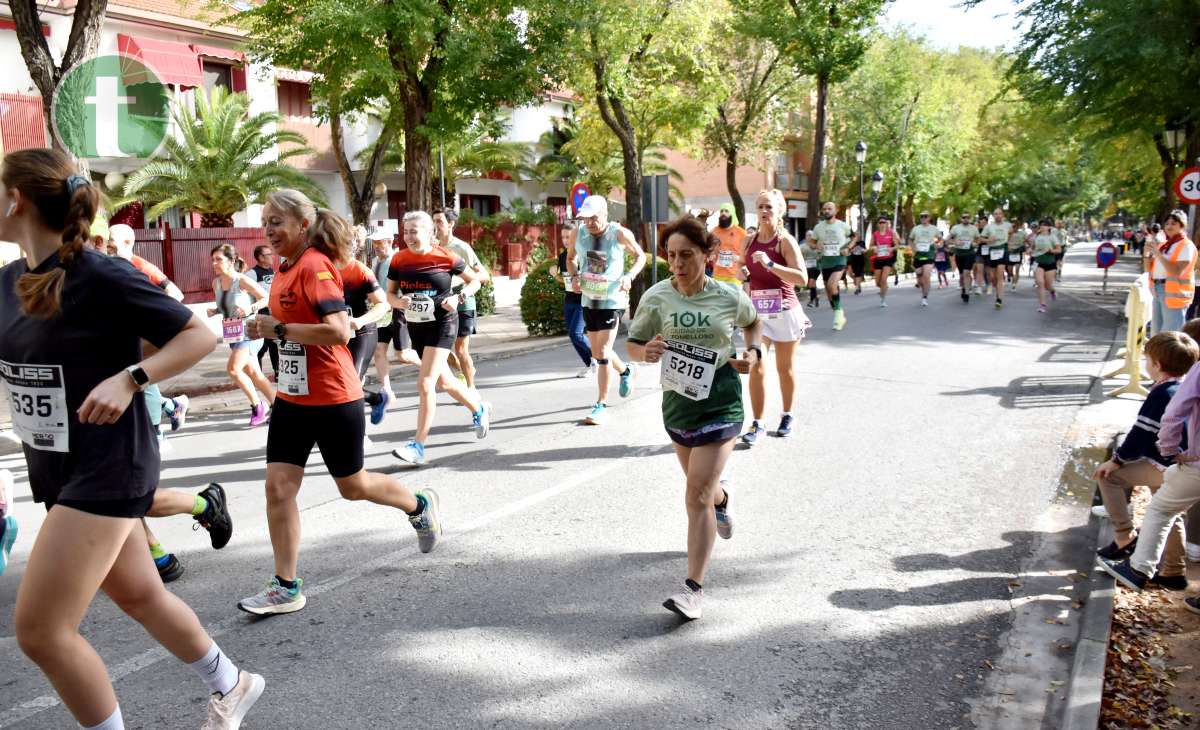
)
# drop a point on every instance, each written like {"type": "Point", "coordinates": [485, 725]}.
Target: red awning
{"type": "Point", "coordinates": [223, 54]}
{"type": "Point", "coordinates": [174, 63]}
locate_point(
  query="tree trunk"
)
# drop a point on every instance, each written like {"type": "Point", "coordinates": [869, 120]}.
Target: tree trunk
{"type": "Point", "coordinates": [909, 218]}
{"type": "Point", "coordinates": [818, 156]}
{"type": "Point", "coordinates": [360, 199]}
{"type": "Point", "coordinates": [1167, 159]}
{"type": "Point", "coordinates": [417, 154]}
{"type": "Point", "coordinates": [731, 167]}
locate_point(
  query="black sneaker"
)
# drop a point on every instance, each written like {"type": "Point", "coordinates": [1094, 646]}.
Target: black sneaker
{"type": "Point", "coordinates": [785, 426]}
{"type": "Point", "coordinates": [1124, 573]}
{"type": "Point", "coordinates": [965, 296]}
{"type": "Point", "coordinates": [1192, 604]}
{"type": "Point", "coordinates": [170, 570]}
{"type": "Point", "coordinates": [1112, 552]}
{"type": "Point", "coordinates": [216, 518]}
{"type": "Point", "coordinates": [1170, 582]}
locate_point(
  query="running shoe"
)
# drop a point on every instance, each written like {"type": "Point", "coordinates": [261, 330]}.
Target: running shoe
{"type": "Point", "coordinates": [924, 302]}
{"type": "Point", "coordinates": [225, 712]}
{"type": "Point", "coordinates": [1054, 295]}
{"type": "Point", "coordinates": [482, 420]}
{"type": "Point", "coordinates": [999, 303]}
{"type": "Point", "coordinates": [1193, 551]}
{"type": "Point", "coordinates": [411, 452]}
{"type": "Point", "coordinates": [1169, 582]}
{"type": "Point", "coordinates": [179, 415]}
{"type": "Point", "coordinates": [975, 289]}
{"type": "Point", "coordinates": [379, 410]}
{"type": "Point", "coordinates": [598, 415]}
{"type": "Point", "coordinates": [987, 289]}
{"type": "Point", "coordinates": [587, 371]}
{"type": "Point", "coordinates": [1101, 511]}
{"type": "Point", "coordinates": [1041, 309]}
{"type": "Point", "coordinates": [428, 524]}
{"type": "Point", "coordinates": [751, 437]}
{"type": "Point", "coordinates": [965, 296]}
{"type": "Point", "coordinates": [1124, 573]}
{"type": "Point", "coordinates": [839, 320]}
{"type": "Point", "coordinates": [1192, 604]}
{"type": "Point", "coordinates": [216, 518]}
{"type": "Point", "coordinates": [724, 516]}
{"type": "Point", "coordinates": [813, 304]}
{"type": "Point", "coordinates": [627, 378]}
{"type": "Point", "coordinates": [883, 304]}
{"type": "Point", "coordinates": [8, 536]}
{"type": "Point", "coordinates": [785, 426]}
{"type": "Point", "coordinates": [258, 414]}
{"type": "Point", "coordinates": [170, 569]}
{"type": "Point", "coordinates": [275, 599]}
{"type": "Point", "coordinates": [1112, 551]}
{"type": "Point", "coordinates": [686, 603]}
{"type": "Point", "coordinates": [857, 290]}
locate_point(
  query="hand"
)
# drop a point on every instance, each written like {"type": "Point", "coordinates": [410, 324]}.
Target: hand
{"type": "Point", "coordinates": [212, 311]}
{"type": "Point", "coordinates": [108, 400]}
{"type": "Point", "coordinates": [760, 258]}
{"type": "Point", "coordinates": [744, 363]}
{"type": "Point", "coordinates": [1106, 469]}
{"type": "Point", "coordinates": [655, 349]}
{"type": "Point", "coordinates": [626, 283]}
{"type": "Point", "coordinates": [405, 301]}
{"type": "Point", "coordinates": [239, 313]}
{"type": "Point", "coordinates": [450, 303]}
{"type": "Point", "coordinates": [262, 326]}
{"type": "Point", "coordinates": [1185, 459]}
{"type": "Point", "coordinates": [356, 324]}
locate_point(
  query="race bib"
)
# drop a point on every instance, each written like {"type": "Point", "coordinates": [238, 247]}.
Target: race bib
{"type": "Point", "coordinates": [233, 331]}
{"type": "Point", "coordinates": [997, 254]}
{"type": "Point", "coordinates": [420, 309]}
{"type": "Point", "coordinates": [38, 400]}
{"type": "Point", "coordinates": [1014, 258]}
{"type": "Point", "coordinates": [831, 250]}
{"type": "Point", "coordinates": [725, 259]}
{"type": "Point", "coordinates": [566, 281]}
{"type": "Point", "coordinates": [688, 369]}
{"type": "Point", "coordinates": [883, 251]}
{"type": "Point", "coordinates": [923, 246]}
{"type": "Point", "coordinates": [767, 302]}
{"type": "Point", "coordinates": [594, 286]}
{"type": "Point", "coordinates": [984, 250]}
{"type": "Point", "coordinates": [293, 368]}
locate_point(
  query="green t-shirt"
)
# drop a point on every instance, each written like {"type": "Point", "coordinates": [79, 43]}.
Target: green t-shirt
{"type": "Point", "coordinates": [964, 236]}
{"type": "Point", "coordinates": [999, 234]}
{"type": "Point", "coordinates": [832, 236]}
{"type": "Point", "coordinates": [811, 255]}
{"type": "Point", "coordinates": [1043, 245]}
{"type": "Point", "coordinates": [1016, 240]}
{"type": "Point", "coordinates": [923, 236]}
{"type": "Point", "coordinates": [464, 251]}
{"type": "Point", "coordinates": [706, 319]}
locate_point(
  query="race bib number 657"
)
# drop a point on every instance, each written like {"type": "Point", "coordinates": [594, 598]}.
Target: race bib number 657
{"type": "Point", "coordinates": [37, 396]}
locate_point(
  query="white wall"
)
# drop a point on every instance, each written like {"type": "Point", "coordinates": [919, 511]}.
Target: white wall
{"type": "Point", "coordinates": [529, 123]}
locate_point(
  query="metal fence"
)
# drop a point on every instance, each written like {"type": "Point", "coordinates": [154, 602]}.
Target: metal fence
{"type": "Point", "coordinates": [185, 254]}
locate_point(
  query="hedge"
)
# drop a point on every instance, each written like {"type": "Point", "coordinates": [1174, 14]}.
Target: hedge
{"type": "Point", "coordinates": [542, 298]}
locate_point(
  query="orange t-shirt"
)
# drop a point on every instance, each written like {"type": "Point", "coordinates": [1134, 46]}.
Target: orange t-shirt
{"type": "Point", "coordinates": [729, 253]}
{"type": "Point", "coordinates": [303, 293]}
{"type": "Point", "coordinates": [152, 272]}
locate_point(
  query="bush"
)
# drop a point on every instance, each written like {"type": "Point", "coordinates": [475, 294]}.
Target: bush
{"type": "Point", "coordinates": [485, 299]}
{"type": "Point", "coordinates": [664, 271]}
{"type": "Point", "coordinates": [542, 302]}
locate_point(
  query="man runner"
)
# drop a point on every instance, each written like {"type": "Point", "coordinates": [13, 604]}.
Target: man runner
{"type": "Point", "coordinates": [729, 253]}
{"type": "Point", "coordinates": [832, 239]}
{"type": "Point", "coordinates": [443, 228]}
{"type": "Point", "coordinates": [921, 240]}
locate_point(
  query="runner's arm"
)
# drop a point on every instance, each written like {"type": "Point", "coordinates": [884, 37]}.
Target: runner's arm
{"type": "Point", "coordinates": [752, 336]}
{"type": "Point", "coordinates": [795, 272]}
{"type": "Point", "coordinates": [630, 244]}
{"type": "Point", "coordinates": [334, 329]}
{"type": "Point", "coordinates": [379, 309]}
{"type": "Point", "coordinates": [394, 298]}
{"type": "Point", "coordinates": [256, 291]}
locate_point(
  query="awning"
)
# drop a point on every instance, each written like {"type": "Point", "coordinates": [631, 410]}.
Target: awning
{"type": "Point", "coordinates": [223, 54]}
{"type": "Point", "coordinates": [173, 63]}
{"type": "Point", "coordinates": [290, 74]}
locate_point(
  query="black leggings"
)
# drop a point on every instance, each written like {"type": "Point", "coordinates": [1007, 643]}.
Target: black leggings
{"type": "Point", "coordinates": [362, 349]}
{"type": "Point", "coordinates": [272, 348]}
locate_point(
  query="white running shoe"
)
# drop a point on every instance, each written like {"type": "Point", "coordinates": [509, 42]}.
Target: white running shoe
{"type": "Point", "coordinates": [686, 603]}
{"type": "Point", "coordinates": [1193, 551]}
{"type": "Point", "coordinates": [883, 304]}
{"type": "Point", "coordinates": [725, 516]}
{"type": "Point", "coordinates": [587, 371]}
{"type": "Point", "coordinates": [1100, 511]}
{"type": "Point", "coordinates": [226, 712]}
{"type": "Point", "coordinates": [924, 302]}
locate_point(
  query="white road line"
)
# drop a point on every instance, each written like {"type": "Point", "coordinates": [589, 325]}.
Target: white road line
{"type": "Point", "coordinates": [150, 657]}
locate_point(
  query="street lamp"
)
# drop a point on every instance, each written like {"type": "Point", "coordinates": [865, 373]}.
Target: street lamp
{"type": "Point", "coordinates": [1174, 135]}
{"type": "Point", "coordinates": [860, 155]}
{"type": "Point", "coordinates": [876, 186]}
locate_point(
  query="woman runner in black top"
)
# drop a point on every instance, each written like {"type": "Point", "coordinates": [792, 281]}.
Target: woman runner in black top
{"type": "Point", "coordinates": [71, 324]}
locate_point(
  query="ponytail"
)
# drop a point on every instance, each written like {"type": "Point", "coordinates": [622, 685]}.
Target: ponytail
{"type": "Point", "coordinates": [333, 236]}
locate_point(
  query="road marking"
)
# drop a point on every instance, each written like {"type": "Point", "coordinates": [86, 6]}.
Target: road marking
{"type": "Point", "coordinates": [150, 657]}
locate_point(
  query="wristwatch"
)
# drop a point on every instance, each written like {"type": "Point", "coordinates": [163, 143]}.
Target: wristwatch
{"type": "Point", "coordinates": [139, 377]}
{"type": "Point", "coordinates": [757, 351]}
{"type": "Point", "coordinates": [770, 264]}
{"type": "Point", "coordinates": [280, 331]}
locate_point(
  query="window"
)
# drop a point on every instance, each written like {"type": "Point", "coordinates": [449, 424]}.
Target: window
{"type": "Point", "coordinates": [295, 99]}
{"type": "Point", "coordinates": [217, 74]}
{"type": "Point", "coordinates": [482, 205]}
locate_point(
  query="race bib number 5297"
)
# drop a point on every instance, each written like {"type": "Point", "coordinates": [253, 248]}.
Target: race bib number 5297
{"type": "Point", "coordinates": [37, 396]}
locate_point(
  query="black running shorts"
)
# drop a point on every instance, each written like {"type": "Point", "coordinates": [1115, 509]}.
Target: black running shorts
{"type": "Point", "coordinates": [601, 320]}
{"type": "Point", "coordinates": [336, 430]}
{"type": "Point", "coordinates": [439, 333]}
{"type": "Point", "coordinates": [466, 324]}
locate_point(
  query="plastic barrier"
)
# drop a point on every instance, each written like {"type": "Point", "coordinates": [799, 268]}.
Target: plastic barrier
{"type": "Point", "coordinates": [1137, 331]}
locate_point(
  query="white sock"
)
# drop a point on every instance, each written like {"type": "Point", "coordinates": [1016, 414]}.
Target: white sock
{"type": "Point", "coordinates": [786, 413]}
{"type": "Point", "coordinates": [216, 670]}
{"type": "Point", "coordinates": [112, 722]}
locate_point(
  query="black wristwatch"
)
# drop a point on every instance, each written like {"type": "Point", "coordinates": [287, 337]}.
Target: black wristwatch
{"type": "Point", "coordinates": [139, 377]}
{"type": "Point", "coordinates": [280, 331]}
{"type": "Point", "coordinates": [757, 351]}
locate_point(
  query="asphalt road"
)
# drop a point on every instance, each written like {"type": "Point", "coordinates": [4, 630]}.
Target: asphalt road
{"type": "Point", "coordinates": [866, 585]}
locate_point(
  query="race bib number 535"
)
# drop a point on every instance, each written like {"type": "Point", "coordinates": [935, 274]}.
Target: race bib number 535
{"type": "Point", "coordinates": [37, 395]}
{"type": "Point", "coordinates": [688, 369]}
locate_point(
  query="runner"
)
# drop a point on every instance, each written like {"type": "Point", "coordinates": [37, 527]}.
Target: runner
{"type": "Point", "coordinates": [392, 331]}
{"type": "Point", "coordinates": [774, 264]}
{"type": "Point", "coordinates": [1016, 253]}
{"type": "Point", "coordinates": [1064, 242]}
{"type": "Point", "coordinates": [858, 261]}
{"type": "Point", "coordinates": [832, 238]}
{"type": "Point", "coordinates": [419, 282]}
{"type": "Point", "coordinates": [601, 246]}
{"type": "Point", "coordinates": [963, 234]}
{"type": "Point", "coordinates": [443, 225]}
{"type": "Point", "coordinates": [728, 262]}
{"type": "Point", "coordinates": [120, 243]}
{"type": "Point", "coordinates": [980, 270]}
{"type": "Point", "coordinates": [812, 267]}
{"type": "Point", "coordinates": [995, 243]}
{"type": "Point", "coordinates": [921, 242]}
{"type": "Point", "coordinates": [8, 523]}
{"type": "Point", "coordinates": [883, 255]}
{"type": "Point", "coordinates": [687, 322]}
{"type": "Point", "coordinates": [263, 273]}
{"type": "Point", "coordinates": [366, 304]}
{"type": "Point", "coordinates": [1044, 245]}
{"type": "Point", "coordinates": [87, 440]}
{"type": "Point", "coordinates": [238, 298]}
{"type": "Point", "coordinates": [573, 309]}
{"type": "Point", "coordinates": [320, 394]}
{"type": "Point", "coordinates": [941, 263]}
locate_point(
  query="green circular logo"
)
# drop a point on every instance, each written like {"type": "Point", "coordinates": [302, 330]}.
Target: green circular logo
{"type": "Point", "coordinates": [111, 106]}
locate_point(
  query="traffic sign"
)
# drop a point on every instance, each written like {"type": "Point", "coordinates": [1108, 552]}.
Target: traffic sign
{"type": "Point", "coordinates": [579, 192]}
{"type": "Point", "coordinates": [1187, 186]}
{"type": "Point", "coordinates": [1106, 255]}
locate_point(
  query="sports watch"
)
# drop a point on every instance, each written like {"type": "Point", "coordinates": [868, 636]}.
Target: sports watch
{"type": "Point", "coordinates": [280, 331]}
{"type": "Point", "coordinates": [139, 377]}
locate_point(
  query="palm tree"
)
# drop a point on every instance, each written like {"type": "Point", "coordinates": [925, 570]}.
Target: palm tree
{"type": "Point", "coordinates": [210, 166]}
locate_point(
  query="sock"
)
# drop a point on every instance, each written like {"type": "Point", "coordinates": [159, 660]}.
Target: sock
{"type": "Point", "coordinates": [628, 370]}
{"type": "Point", "coordinates": [157, 552]}
{"type": "Point", "coordinates": [421, 504]}
{"type": "Point", "coordinates": [693, 585]}
{"type": "Point", "coordinates": [168, 406]}
{"type": "Point", "coordinates": [112, 722]}
{"type": "Point", "coordinates": [199, 506]}
{"type": "Point", "coordinates": [836, 301]}
{"type": "Point", "coordinates": [724, 500]}
{"type": "Point", "coordinates": [372, 399]}
{"type": "Point", "coordinates": [216, 670]}
{"type": "Point", "coordinates": [291, 585]}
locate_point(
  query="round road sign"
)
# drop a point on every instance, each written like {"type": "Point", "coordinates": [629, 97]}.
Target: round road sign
{"type": "Point", "coordinates": [579, 192]}
{"type": "Point", "coordinates": [1106, 255]}
{"type": "Point", "coordinates": [1187, 186]}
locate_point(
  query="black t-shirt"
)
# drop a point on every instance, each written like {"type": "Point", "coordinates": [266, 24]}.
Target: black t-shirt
{"type": "Point", "coordinates": [50, 366]}
{"type": "Point", "coordinates": [571, 297]}
{"type": "Point", "coordinates": [264, 275]}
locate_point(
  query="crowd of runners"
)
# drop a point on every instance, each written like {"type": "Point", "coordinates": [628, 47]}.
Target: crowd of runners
{"type": "Point", "coordinates": [323, 317]}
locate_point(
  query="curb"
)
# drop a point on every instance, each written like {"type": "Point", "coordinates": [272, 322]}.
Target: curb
{"type": "Point", "coordinates": [1085, 689]}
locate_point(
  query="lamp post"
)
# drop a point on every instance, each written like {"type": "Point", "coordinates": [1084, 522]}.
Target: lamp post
{"type": "Point", "coordinates": [860, 155]}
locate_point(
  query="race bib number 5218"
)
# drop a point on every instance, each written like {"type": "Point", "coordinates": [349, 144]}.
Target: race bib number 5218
{"type": "Point", "coordinates": [688, 369]}
{"type": "Point", "coordinates": [37, 396]}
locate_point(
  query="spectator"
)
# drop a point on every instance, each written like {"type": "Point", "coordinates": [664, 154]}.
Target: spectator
{"type": "Point", "coordinates": [1172, 268]}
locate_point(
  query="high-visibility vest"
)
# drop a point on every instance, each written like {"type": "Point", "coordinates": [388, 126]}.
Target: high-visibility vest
{"type": "Point", "coordinates": [1178, 289]}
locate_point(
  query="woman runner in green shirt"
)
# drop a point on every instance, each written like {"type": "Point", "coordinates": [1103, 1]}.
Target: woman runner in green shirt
{"type": "Point", "coordinates": [687, 323]}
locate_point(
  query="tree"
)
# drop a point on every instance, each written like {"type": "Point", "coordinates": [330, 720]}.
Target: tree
{"type": "Point", "coordinates": [211, 169]}
{"type": "Point", "coordinates": [82, 42]}
{"type": "Point", "coordinates": [824, 39]}
{"type": "Point", "coordinates": [567, 158]}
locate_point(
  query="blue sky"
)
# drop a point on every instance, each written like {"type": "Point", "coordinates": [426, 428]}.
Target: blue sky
{"type": "Point", "coordinates": [988, 25]}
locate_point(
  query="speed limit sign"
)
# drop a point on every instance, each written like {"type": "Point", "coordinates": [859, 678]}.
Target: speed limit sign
{"type": "Point", "coordinates": [1187, 186]}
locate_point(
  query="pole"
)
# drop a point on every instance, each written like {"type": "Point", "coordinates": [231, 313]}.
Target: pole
{"type": "Point", "coordinates": [653, 233]}
{"type": "Point", "coordinates": [862, 232]}
{"type": "Point", "coordinates": [442, 175]}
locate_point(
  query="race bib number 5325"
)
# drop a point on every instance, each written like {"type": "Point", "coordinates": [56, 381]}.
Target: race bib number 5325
{"type": "Point", "coordinates": [37, 395]}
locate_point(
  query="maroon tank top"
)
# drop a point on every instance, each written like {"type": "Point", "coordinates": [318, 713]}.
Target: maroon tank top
{"type": "Point", "coordinates": [763, 278]}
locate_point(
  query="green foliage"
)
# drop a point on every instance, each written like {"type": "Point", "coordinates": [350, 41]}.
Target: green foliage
{"type": "Point", "coordinates": [485, 299]}
{"type": "Point", "coordinates": [538, 255]}
{"type": "Point", "coordinates": [211, 167]}
{"type": "Point", "coordinates": [542, 302]}
{"type": "Point", "coordinates": [664, 270]}
{"type": "Point", "coordinates": [487, 249]}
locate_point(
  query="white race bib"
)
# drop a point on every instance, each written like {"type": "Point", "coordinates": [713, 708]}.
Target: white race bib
{"type": "Point", "coordinates": [997, 254]}
{"type": "Point", "coordinates": [293, 368]}
{"type": "Point", "coordinates": [923, 246]}
{"type": "Point", "coordinates": [420, 309]}
{"type": "Point", "coordinates": [594, 286]}
{"type": "Point", "coordinates": [566, 281]}
{"type": "Point", "coordinates": [38, 401]}
{"type": "Point", "coordinates": [883, 251]}
{"type": "Point", "coordinates": [1014, 258]}
{"type": "Point", "coordinates": [984, 250]}
{"type": "Point", "coordinates": [831, 250]}
{"type": "Point", "coordinates": [688, 369]}
{"type": "Point", "coordinates": [725, 259]}
{"type": "Point", "coordinates": [233, 330]}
